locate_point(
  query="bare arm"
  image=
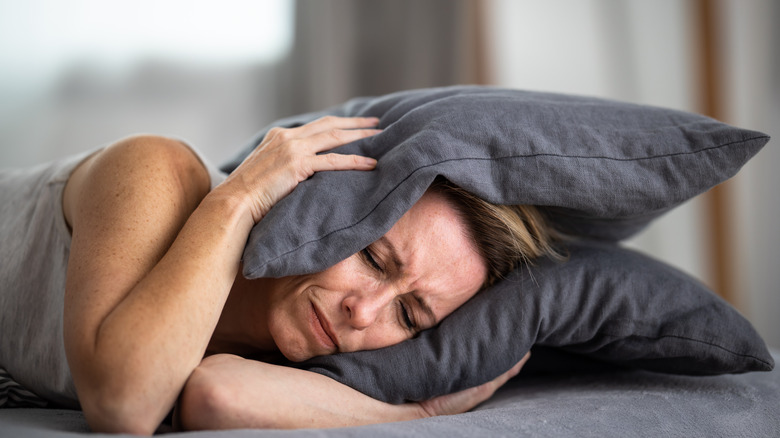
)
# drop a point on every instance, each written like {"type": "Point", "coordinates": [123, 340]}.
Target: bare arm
{"type": "Point", "coordinates": [153, 258]}
{"type": "Point", "coordinates": [228, 392]}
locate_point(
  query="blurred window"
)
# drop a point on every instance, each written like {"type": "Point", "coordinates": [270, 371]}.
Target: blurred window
{"type": "Point", "coordinates": [41, 38]}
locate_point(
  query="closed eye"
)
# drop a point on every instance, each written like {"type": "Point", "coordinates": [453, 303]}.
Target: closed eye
{"type": "Point", "coordinates": [370, 260]}
{"type": "Point", "coordinates": [406, 317]}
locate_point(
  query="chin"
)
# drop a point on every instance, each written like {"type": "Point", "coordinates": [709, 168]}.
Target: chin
{"type": "Point", "coordinates": [292, 348]}
{"type": "Point", "coordinates": [296, 356]}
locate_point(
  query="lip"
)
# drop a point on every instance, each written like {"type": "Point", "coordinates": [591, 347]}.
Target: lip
{"type": "Point", "coordinates": [322, 330]}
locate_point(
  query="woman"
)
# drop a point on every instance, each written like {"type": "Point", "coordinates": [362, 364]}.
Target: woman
{"type": "Point", "coordinates": [153, 286]}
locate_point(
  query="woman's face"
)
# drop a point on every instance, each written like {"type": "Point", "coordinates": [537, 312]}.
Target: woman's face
{"type": "Point", "coordinates": [410, 279]}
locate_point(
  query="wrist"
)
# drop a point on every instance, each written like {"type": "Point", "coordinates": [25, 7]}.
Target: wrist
{"type": "Point", "coordinates": [403, 412]}
{"type": "Point", "coordinates": [232, 206]}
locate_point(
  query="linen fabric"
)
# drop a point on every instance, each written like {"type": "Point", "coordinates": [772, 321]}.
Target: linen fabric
{"type": "Point", "coordinates": [599, 169]}
{"type": "Point", "coordinates": [606, 303]}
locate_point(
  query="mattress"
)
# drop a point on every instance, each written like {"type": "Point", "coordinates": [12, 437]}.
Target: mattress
{"type": "Point", "coordinates": [600, 404]}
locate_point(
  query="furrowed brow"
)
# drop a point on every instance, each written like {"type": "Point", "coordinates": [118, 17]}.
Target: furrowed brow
{"type": "Point", "coordinates": [399, 265]}
{"type": "Point", "coordinates": [392, 253]}
{"type": "Point", "coordinates": [426, 308]}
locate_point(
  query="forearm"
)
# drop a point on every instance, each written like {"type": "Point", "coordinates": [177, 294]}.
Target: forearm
{"type": "Point", "coordinates": [182, 296]}
{"type": "Point", "coordinates": [227, 392]}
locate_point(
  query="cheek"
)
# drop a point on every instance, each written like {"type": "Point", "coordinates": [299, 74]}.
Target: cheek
{"type": "Point", "coordinates": [286, 289]}
{"type": "Point", "coordinates": [382, 334]}
{"type": "Point", "coordinates": [347, 277]}
{"type": "Point", "coordinates": [338, 276]}
{"type": "Point", "coordinates": [285, 319]}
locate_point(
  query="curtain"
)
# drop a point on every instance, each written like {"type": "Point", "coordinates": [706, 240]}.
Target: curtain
{"type": "Point", "coordinates": [348, 48]}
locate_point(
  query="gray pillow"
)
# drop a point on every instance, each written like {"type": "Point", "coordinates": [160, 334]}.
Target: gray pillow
{"type": "Point", "coordinates": [601, 168]}
{"type": "Point", "coordinates": [606, 302]}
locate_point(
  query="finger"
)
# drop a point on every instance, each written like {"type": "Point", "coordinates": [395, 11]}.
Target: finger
{"type": "Point", "coordinates": [333, 138]}
{"type": "Point", "coordinates": [342, 162]}
{"type": "Point", "coordinates": [280, 134]}
{"type": "Point", "coordinates": [522, 362]}
{"type": "Point", "coordinates": [512, 372]}
{"type": "Point", "coordinates": [328, 123]}
{"type": "Point", "coordinates": [517, 367]}
{"type": "Point", "coordinates": [466, 399]}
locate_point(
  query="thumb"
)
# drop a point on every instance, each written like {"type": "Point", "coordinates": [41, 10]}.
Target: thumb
{"type": "Point", "coordinates": [462, 401]}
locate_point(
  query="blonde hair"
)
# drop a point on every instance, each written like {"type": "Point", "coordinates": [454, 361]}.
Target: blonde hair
{"type": "Point", "coordinates": [506, 236]}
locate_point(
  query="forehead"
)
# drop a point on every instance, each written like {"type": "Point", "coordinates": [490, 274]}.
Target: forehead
{"type": "Point", "coordinates": [440, 262]}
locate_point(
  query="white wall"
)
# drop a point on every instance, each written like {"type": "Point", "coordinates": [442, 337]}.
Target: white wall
{"type": "Point", "coordinates": [752, 63]}
{"type": "Point", "coordinates": [644, 52]}
{"type": "Point", "coordinates": [75, 75]}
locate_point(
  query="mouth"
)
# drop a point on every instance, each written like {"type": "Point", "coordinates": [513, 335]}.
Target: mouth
{"type": "Point", "coordinates": [322, 330]}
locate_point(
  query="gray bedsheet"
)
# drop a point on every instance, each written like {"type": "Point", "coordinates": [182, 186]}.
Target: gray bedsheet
{"type": "Point", "coordinates": [614, 404]}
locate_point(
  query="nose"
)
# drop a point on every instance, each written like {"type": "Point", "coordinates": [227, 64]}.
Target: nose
{"type": "Point", "coordinates": [364, 307]}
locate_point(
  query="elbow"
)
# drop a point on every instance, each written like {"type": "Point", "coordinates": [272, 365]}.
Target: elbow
{"type": "Point", "coordinates": [102, 420]}
{"type": "Point", "coordinates": [204, 404]}
{"type": "Point", "coordinates": [212, 399]}
{"type": "Point", "coordinates": [112, 412]}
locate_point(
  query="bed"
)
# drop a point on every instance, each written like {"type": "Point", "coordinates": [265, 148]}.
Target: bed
{"type": "Point", "coordinates": [598, 404]}
{"type": "Point", "coordinates": [622, 344]}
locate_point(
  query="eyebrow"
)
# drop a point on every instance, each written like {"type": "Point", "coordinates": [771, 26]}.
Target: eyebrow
{"type": "Point", "coordinates": [394, 259]}
{"type": "Point", "coordinates": [425, 307]}
{"type": "Point", "coordinates": [399, 265]}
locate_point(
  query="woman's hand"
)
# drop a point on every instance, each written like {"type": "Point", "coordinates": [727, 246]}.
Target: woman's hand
{"type": "Point", "coordinates": [462, 401]}
{"type": "Point", "coordinates": [286, 157]}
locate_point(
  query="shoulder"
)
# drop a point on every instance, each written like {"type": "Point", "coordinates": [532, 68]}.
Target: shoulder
{"type": "Point", "coordinates": [150, 153]}
{"type": "Point", "coordinates": [144, 165]}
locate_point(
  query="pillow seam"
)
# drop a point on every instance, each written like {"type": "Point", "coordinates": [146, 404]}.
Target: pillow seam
{"type": "Point", "coordinates": [711, 344]}
{"type": "Point", "coordinates": [602, 157]}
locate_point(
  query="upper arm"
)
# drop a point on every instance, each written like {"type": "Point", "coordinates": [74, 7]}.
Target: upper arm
{"type": "Point", "coordinates": [125, 206]}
